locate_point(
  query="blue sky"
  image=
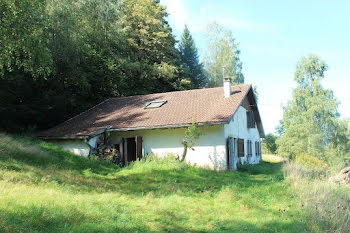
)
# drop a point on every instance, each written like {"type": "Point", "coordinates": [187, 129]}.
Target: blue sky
{"type": "Point", "coordinates": [273, 36]}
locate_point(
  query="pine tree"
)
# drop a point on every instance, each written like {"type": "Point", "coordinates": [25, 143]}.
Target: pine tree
{"type": "Point", "coordinates": [193, 69]}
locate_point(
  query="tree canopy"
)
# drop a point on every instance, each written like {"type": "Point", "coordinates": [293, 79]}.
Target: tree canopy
{"type": "Point", "coordinates": [311, 121]}
{"type": "Point", "coordinates": [60, 57]}
{"type": "Point", "coordinates": [222, 53]}
{"type": "Point", "coordinates": [269, 143]}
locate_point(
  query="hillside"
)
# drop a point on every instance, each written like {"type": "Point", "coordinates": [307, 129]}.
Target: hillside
{"type": "Point", "coordinates": [45, 189]}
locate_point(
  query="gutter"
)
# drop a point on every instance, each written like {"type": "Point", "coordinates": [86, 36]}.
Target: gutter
{"type": "Point", "coordinates": [168, 126]}
{"type": "Point", "coordinates": [63, 137]}
{"type": "Point", "coordinates": [136, 128]}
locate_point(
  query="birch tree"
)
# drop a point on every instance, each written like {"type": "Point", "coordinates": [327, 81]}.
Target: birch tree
{"type": "Point", "coordinates": [222, 53]}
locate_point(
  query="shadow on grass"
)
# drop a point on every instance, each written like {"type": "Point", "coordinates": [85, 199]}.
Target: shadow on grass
{"type": "Point", "coordinates": [44, 155]}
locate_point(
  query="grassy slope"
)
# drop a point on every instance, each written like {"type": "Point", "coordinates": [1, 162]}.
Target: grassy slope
{"type": "Point", "coordinates": [44, 189]}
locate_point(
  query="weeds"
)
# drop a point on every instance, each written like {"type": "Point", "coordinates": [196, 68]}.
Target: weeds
{"type": "Point", "coordinates": [327, 205]}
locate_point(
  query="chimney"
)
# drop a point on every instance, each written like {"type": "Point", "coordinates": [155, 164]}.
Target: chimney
{"type": "Point", "coordinates": [227, 87]}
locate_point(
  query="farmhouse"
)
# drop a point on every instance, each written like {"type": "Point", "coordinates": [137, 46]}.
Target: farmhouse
{"type": "Point", "coordinates": [228, 118]}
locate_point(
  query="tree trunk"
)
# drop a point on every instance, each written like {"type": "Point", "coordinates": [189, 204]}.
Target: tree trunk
{"type": "Point", "coordinates": [184, 152]}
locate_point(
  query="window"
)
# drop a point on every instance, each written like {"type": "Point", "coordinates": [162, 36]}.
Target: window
{"type": "Point", "coordinates": [240, 147]}
{"type": "Point", "coordinates": [250, 119]}
{"type": "Point", "coordinates": [155, 104]}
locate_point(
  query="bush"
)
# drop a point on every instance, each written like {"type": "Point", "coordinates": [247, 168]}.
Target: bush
{"type": "Point", "coordinates": [311, 162]}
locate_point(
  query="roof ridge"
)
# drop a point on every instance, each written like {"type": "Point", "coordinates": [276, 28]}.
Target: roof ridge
{"type": "Point", "coordinates": [178, 91]}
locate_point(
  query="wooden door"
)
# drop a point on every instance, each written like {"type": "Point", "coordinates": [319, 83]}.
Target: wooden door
{"type": "Point", "coordinates": [229, 153]}
{"type": "Point", "coordinates": [125, 158]}
{"type": "Point", "coordinates": [138, 140]}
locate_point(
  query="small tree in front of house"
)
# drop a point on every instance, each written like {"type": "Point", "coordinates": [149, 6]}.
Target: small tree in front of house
{"type": "Point", "coordinates": [191, 135]}
{"type": "Point", "coordinates": [269, 144]}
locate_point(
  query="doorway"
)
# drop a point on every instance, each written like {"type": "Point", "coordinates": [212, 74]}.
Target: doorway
{"type": "Point", "coordinates": [231, 159]}
{"type": "Point", "coordinates": [132, 149]}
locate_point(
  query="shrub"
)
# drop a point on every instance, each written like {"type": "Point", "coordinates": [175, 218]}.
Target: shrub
{"type": "Point", "coordinates": [311, 162]}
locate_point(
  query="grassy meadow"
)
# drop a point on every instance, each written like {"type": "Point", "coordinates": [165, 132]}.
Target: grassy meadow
{"type": "Point", "coordinates": [45, 189]}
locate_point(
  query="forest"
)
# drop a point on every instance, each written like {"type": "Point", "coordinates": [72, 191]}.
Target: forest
{"type": "Point", "coordinates": [59, 58]}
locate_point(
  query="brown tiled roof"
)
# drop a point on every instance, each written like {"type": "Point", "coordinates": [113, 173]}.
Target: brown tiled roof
{"type": "Point", "coordinates": [206, 106]}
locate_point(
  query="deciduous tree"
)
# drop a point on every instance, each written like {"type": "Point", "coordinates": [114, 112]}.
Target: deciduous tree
{"type": "Point", "coordinates": [191, 135]}
{"type": "Point", "coordinates": [222, 53]}
{"type": "Point", "coordinates": [269, 143]}
{"type": "Point", "coordinates": [78, 53]}
{"type": "Point", "coordinates": [311, 120]}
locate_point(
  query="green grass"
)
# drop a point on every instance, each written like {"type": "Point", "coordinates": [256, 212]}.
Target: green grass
{"type": "Point", "coordinates": [45, 189]}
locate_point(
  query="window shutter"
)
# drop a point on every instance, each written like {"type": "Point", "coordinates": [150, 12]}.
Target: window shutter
{"type": "Point", "coordinates": [250, 119]}
{"type": "Point", "coordinates": [260, 148]}
{"type": "Point", "coordinates": [228, 153]}
{"type": "Point", "coordinates": [248, 148]}
{"type": "Point", "coordinates": [240, 147]}
{"type": "Point", "coordinates": [251, 148]}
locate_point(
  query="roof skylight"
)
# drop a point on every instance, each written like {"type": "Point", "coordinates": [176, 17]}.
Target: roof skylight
{"type": "Point", "coordinates": [155, 104]}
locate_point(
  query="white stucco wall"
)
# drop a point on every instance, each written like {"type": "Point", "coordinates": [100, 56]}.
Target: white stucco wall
{"type": "Point", "coordinates": [76, 146]}
{"type": "Point", "coordinates": [209, 150]}
{"type": "Point", "coordinates": [237, 128]}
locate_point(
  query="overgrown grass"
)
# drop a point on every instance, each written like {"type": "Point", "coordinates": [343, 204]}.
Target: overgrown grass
{"type": "Point", "coordinates": [326, 204]}
{"type": "Point", "coordinates": [45, 189]}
